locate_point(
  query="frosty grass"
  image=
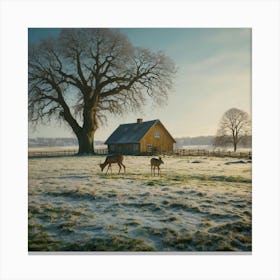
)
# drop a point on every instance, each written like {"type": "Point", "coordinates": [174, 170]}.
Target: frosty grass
{"type": "Point", "coordinates": [197, 204]}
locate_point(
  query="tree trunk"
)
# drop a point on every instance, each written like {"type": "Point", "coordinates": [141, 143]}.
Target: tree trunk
{"type": "Point", "coordinates": [235, 140]}
{"type": "Point", "coordinates": [86, 135]}
{"type": "Point", "coordinates": [86, 143]}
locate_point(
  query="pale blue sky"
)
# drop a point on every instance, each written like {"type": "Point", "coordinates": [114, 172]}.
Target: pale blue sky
{"type": "Point", "coordinates": [214, 75]}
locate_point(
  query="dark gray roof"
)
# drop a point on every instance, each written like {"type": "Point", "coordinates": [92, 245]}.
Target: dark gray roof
{"type": "Point", "coordinates": [130, 133]}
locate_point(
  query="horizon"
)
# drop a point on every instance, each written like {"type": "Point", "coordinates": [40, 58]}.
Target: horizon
{"type": "Point", "coordinates": [99, 140]}
{"type": "Point", "coordinates": [214, 75]}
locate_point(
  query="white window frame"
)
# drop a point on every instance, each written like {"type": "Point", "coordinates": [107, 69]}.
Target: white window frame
{"type": "Point", "coordinates": [157, 134]}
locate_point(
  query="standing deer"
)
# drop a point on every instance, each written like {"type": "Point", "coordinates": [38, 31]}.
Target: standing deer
{"type": "Point", "coordinates": [112, 159]}
{"type": "Point", "coordinates": [156, 163]}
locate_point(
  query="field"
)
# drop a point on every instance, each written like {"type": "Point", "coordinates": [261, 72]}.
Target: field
{"type": "Point", "coordinates": [197, 204]}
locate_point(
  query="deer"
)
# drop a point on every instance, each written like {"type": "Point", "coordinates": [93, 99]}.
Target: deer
{"type": "Point", "coordinates": [156, 163]}
{"type": "Point", "coordinates": [112, 159]}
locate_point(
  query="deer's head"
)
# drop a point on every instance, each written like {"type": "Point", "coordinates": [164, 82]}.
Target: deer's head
{"type": "Point", "coordinates": [102, 166]}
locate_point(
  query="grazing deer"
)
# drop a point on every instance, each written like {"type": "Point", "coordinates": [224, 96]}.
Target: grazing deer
{"type": "Point", "coordinates": [156, 163]}
{"type": "Point", "coordinates": [112, 159]}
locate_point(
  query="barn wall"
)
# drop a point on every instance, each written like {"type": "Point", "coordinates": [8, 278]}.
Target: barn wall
{"type": "Point", "coordinates": [123, 148]}
{"type": "Point", "coordinates": [163, 143]}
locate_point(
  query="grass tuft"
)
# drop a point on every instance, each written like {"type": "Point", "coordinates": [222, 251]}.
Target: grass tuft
{"type": "Point", "coordinates": [111, 244]}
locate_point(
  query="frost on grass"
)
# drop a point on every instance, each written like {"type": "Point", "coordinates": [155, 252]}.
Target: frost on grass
{"type": "Point", "coordinates": [191, 207]}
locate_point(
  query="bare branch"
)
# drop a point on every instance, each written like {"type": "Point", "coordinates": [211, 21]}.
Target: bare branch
{"type": "Point", "coordinates": [234, 127]}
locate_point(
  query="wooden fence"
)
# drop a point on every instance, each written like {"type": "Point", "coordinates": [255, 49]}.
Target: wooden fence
{"type": "Point", "coordinates": [61, 153]}
{"type": "Point", "coordinates": [213, 153]}
{"type": "Point", "coordinates": [177, 152]}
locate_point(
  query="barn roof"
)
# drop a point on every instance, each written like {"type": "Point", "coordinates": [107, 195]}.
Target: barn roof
{"type": "Point", "coordinates": [131, 133]}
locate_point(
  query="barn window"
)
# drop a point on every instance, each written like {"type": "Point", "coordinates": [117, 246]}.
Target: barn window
{"type": "Point", "coordinates": [149, 148]}
{"type": "Point", "coordinates": [156, 134]}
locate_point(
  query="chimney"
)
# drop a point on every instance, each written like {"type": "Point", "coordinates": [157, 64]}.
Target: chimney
{"type": "Point", "coordinates": [139, 120]}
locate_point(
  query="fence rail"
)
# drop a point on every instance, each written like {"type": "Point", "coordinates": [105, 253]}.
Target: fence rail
{"type": "Point", "coordinates": [177, 152]}
{"type": "Point", "coordinates": [61, 153]}
{"type": "Point", "coordinates": [51, 153]}
{"type": "Point", "coordinates": [215, 153]}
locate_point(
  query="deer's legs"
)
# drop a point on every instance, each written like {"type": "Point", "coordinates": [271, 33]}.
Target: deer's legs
{"type": "Point", "coordinates": [153, 170]}
{"type": "Point", "coordinates": [120, 167]}
{"type": "Point", "coordinates": [107, 169]}
{"type": "Point", "coordinates": [109, 166]}
{"type": "Point", "coordinates": [123, 166]}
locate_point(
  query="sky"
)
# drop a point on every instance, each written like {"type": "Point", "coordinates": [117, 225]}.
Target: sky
{"type": "Point", "coordinates": [214, 75]}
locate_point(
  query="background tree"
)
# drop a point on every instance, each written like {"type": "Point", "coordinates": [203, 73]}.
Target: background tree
{"type": "Point", "coordinates": [234, 128]}
{"type": "Point", "coordinates": [83, 75]}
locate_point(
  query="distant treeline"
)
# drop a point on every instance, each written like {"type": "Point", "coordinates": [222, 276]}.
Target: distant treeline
{"type": "Point", "coordinates": [180, 142]}
{"type": "Point", "coordinates": [207, 141]}
{"type": "Point", "coordinates": [194, 141]}
{"type": "Point", "coordinates": [55, 142]}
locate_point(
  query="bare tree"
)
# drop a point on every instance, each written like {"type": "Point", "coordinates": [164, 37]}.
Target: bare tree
{"type": "Point", "coordinates": [234, 128]}
{"type": "Point", "coordinates": [84, 75]}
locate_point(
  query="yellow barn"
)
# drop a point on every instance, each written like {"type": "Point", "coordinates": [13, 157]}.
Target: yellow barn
{"type": "Point", "coordinates": [140, 138]}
